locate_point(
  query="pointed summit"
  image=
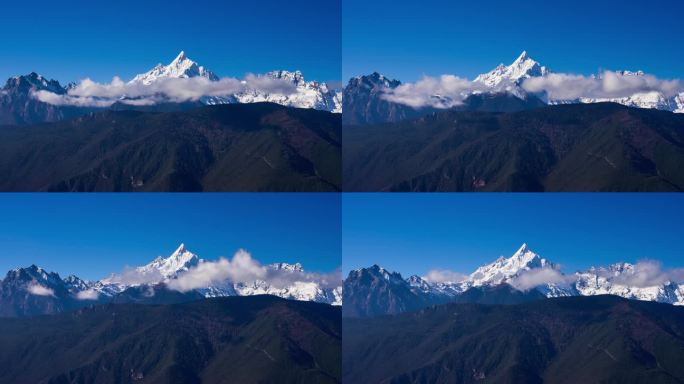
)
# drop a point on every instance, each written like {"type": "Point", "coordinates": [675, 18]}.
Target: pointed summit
{"type": "Point", "coordinates": [523, 56]}
{"type": "Point", "coordinates": [180, 257]}
{"type": "Point", "coordinates": [181, 56]}
{"type": "Point", "coordinates": [523, 249]}
{"type": "Point", "coordinates": [181, 248]}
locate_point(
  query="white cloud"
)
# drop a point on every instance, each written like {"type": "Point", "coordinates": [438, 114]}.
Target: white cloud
{"type": "Point", "coordinates": [39, 290]}
{"type": "Point", "coordinates": [539, 276]}
{"type": "Point", "coordinates": [282, 279]}
{"type": "Point", "coordinates": [89, 93]}
{"type": "Point", "coordinates": [444, 276]}
{"type": "Point", "coordinates": [649, 273]}
{"type": "Point", "coordinates": [608, 85]}
{"type": "Point", "coordinates": [89, 294]}
{"type": "Point", "coordinates": [241, 268]}
{"type": "Point", "coordinates": [445, 91]}
{"type": "Point", "coordinates": [133, 276]}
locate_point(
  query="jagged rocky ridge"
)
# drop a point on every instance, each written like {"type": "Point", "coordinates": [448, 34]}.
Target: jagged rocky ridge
{"type": "Point", "coordinates": [375, 291]}
{"type": "Point", "coordinates": [18, 107]}
{"type": "Point", "coordinates": [34, 291]}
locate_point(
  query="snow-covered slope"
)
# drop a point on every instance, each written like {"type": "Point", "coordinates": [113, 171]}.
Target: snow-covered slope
{"type": "Point", "coordinates": [308, 94]}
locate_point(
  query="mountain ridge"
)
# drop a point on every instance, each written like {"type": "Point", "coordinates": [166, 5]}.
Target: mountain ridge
{"type": "Point", "coordinates": [374, 291]}
{"type": "Point", "coordinates": [591, 339]}
{"type": "Point", "coordinates": [249, 339]}
{"type": "Point", "coordinates": [570, 147]}
{"type": "Point", "coordinates": [232, 147]}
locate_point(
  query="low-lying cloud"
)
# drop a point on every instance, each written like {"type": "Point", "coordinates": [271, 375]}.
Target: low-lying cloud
{"type": "Point", "coordinates": [39, 290]}
{"type": "Point", "coordinates": [441, 92]}
{"type": "Point", "coordinates": [89, 93]}
{"type": "Point", "coordinates": [281, 278]}
{"type": "Point", "coordinates": [134, 276]}
{"type": "Point", "coordinates": [650, 273]}
{"type": "Point", "coordinates": [444, 276]}
{"type": "Point", "coordinates": [539, 276]}
{"type": "Point", "coordinates": [609, 85]}
{"type": "Point", "coordinates": [89, 294]}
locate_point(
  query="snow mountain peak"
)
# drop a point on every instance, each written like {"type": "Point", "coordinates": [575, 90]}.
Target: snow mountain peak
{"type": "Point", "coordinates": [525, 254]}
{"type": "Point", "coordinates": [179, 261]}
{"type": "Point", "coordinates": [295, 77]}
{"type": "Point", "coordinates": [181, 67]}
{"type": "Point", "coordinates": [523, 56]}
{"type": "Point", "coordinates": [504, 76]}
{"type": "Point", "coordinates": [296, 267]}
{"type": "Point", "coordinates": [181, 57]}
{"type": "Point", "coordinates": [504, 269]}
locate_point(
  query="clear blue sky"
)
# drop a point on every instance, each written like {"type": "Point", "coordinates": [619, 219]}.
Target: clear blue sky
{"type": "Point", "coordinates": [93, 235]}
{"type": "Point", "coordinates": [407, 39]}
{"type": "Point", "coordinates": [72, 39]}
{"type": "Point", "coordinates": [414, 233]}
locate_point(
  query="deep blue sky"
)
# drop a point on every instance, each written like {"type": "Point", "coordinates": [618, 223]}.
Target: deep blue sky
{"type": "Point", "coordinates": [72, 39]}
{"type": "Point", "coordinates": [413, 233]}
{"type": "Point", "coordinates": [93, 235]}
{"type": "Point", "coordinates": [407, 39]}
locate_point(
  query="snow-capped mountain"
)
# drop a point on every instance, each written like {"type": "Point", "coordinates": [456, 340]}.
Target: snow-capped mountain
{"type": "Point", "coordinates": [308, 94]}
{"type": "Point", "coordinates": [596, 281]}
{"type": "Point", "coordinates": [649, 100]}
{"type": "Point", "coordinates": [33, 290]}
{"type": "Point", "coordinates": [509, 78]}
{"type": "Point", "coordinates": [20, 105]}
{"type": "Point", "coordinates": [505, 79]}
{"type": "Point", "coordinates": [164, 269]}
{"type": "Point", "coordinates": [170, 267]}
{"type": "Point", "coordinates": [504, 269]}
